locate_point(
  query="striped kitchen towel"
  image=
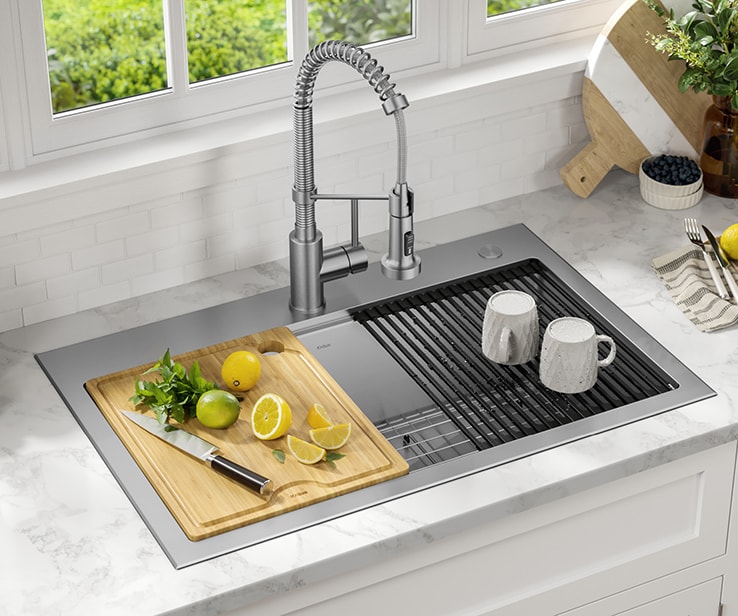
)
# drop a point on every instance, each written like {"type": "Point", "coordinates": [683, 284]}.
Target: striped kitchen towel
{"type": "Point", "coordinates": [686, 277]}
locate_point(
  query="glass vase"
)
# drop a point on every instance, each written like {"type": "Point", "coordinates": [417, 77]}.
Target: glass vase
{"type": "Point", "coordinates": [719, 158]}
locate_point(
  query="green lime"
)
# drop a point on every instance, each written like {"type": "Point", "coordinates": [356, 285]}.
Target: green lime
{"type": "Point", "coordinates": [217, 409]}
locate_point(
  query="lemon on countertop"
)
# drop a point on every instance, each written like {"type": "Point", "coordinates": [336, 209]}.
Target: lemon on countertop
{"type": "Point", "coordinates": [729, 241]}
{"type": "Point", "coordinates": [241, 370]}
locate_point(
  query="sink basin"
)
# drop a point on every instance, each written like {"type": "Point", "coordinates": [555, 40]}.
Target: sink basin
{"type": "Point", "coordinates": [409, 355]}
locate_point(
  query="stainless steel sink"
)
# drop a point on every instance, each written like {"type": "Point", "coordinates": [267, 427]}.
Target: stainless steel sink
{"type": "Point", "coordinates": [409, 355]}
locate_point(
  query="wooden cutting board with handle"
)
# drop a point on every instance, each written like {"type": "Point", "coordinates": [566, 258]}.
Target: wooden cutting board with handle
{"type": "Point", "coordinates": [205, 503]}
{"type": "Point", "coordinates": [631, 101]}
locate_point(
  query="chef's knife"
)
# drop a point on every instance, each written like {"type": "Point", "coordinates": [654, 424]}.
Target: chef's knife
{"type": "Point", "coordinates": [723, 261]}
{"type": "Point", "coordinates": [201, 449]}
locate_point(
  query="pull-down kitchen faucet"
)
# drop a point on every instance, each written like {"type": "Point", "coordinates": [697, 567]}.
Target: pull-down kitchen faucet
{"type": "Point", "coordinates": [310, 266]}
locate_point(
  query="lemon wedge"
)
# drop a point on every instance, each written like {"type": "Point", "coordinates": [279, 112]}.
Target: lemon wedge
{"type": "Point", "coordinates": [318, 417]}
{"type": "Point", "coordinates": [331, 437]}
{"type": "Point", "coordinates": [305, 452]}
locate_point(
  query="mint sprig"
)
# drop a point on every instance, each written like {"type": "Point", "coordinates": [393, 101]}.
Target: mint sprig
{"type": "Point", "coordinates": [175, 395]}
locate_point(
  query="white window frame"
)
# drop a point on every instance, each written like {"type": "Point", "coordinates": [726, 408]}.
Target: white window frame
{"type": "Point", "coordinates": [532, 28]}
{"type": "Point", "coordinates": [449, 33]}
{"type": "Point", "coordinates": [182, 104]}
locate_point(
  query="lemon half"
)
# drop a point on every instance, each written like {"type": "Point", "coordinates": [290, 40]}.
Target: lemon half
{"type": "Point", "coordinates": [271, 417]}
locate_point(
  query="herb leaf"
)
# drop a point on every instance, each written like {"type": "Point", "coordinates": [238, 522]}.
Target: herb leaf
{"type": "Point", "coordinates": [175, 394]}
{"type": "Point", "coordinates": [332, 456]}
{"type": "Point", "coordinates": [279, 455]}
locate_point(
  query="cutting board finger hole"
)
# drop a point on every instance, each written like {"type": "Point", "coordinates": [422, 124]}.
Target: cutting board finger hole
{"type": "Point", "coordinates": [271, 347]}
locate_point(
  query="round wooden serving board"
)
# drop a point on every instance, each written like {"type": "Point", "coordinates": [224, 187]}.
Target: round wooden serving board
{"type": "Point", "coordinates": [631, 101]}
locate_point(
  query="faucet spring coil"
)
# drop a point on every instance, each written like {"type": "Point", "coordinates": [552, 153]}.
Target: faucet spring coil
{"type": "Point", "coordinates": [349, 54]}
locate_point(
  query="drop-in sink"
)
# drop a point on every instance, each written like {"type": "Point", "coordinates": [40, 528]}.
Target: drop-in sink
{"type": "Point", "coordinates": [409, 355]}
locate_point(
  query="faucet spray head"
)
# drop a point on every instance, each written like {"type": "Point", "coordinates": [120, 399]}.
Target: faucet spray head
{"type": "Point", "coordinates": [401, 262]}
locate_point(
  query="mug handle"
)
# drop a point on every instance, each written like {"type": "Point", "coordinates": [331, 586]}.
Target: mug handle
{"type": "Point", "coordinates": [505, 344]}
{"type": "Point", "coordinates": [611, 355]}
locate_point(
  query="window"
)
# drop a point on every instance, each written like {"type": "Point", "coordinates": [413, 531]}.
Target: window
{"type": "Point", "coordinates": [167, 69]}
{"type": "Point", "coordinates": [490, 32]}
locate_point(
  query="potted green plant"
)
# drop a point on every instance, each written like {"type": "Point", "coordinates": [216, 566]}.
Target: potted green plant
{"type": "Point", "coordinates": [706, 40]}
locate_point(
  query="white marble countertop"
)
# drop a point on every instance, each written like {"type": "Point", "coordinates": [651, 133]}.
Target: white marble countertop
{"type": "Point", "coordinates": [72, 543]}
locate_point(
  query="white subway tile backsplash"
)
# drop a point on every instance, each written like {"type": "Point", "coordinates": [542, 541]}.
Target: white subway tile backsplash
{"type": "Point", "coordinates": [11, 319]}
{"type": "Point", "coordinates": [48, 310]}
{"type": "Point", "coordinates": [177, 213]}
{"type": "Point", "coordinates": [74, 283]}
{"type": "Point", "coordinates": [42, 269]}
{"type": "Point", "coordinates": [152, 241]}
{"type": "Point", "coordinates": [210, 267]}
{"type": "Point", "coordinates": [179, 255]}
{"type": "Point", "coordinates": [22, 295]}
{"type": "Point", "coordinates": [7, 277]}
{"type": "Point", "coordinates": [123, 226]}
{"type": "Point", "coordinates": [66, 240]}
{"type": "Point", "coordinates": [127, 269]}
{"type": "Point", "coordinates": [156, 281]}
{"type": "Point", "coordinates": [98, 255]}
{"type": "Point", "coordinates": [104, 295]}
{"type": "Point", "coordinates": [20, 251]}
{"type": "Point", "coordinates": [220, 214]}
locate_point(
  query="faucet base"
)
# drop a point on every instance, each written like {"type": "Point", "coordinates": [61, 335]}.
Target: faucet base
{"type": "Point", "coordinates": [306, 288]}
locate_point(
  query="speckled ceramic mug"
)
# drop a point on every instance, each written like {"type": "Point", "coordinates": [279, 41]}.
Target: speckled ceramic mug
{"type": "Point", "coordinates": [569, 360]}
{"type": "Point", "coordinates": [510, 329]}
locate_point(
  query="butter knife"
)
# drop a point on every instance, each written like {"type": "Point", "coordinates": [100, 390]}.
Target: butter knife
{"type": "Point", "coordinates": [722, 260]}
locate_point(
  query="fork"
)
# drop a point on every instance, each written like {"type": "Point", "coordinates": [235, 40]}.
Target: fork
{"type": "Point", "coordinates": [693, 233]}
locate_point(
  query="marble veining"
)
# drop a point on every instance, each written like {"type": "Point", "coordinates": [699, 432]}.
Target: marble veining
{"type": "Point", "coordinates": [73, 543]}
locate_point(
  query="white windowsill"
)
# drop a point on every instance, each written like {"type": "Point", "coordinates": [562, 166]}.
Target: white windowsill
{"type": "Point", "coordinates": [155, 154]}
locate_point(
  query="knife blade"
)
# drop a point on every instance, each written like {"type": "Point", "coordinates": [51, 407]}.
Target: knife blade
{"type": "Point", "coordinates": [722, 260]}
{"type": "Point", "coordinates": [202, 450]}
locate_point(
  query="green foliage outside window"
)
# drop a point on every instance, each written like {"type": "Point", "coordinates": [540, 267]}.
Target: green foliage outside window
{"type": "Point", "coordinates": [497, 7]}
{"type": "Point", "coordinates": [104, 50]}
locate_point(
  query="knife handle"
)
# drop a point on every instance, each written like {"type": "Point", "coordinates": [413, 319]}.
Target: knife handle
{"type": "Point", "coordinates": [250, 479]}
{"type": "Point", "coordinates": [715, 275]}
{"type": "Point", "coordinates": [731, 282]}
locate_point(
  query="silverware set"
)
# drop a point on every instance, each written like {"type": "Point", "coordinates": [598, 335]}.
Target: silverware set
{"type": "Point", "coordinates": [692, 230]}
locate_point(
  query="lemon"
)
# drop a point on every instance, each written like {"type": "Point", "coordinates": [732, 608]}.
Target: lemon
{"type": "Point", "coordinates": [271, 417]}
{"type": "Point", "coordinates": [729, 242]}
{"type": "Point", "coordinates": [331, 437]}
{"type": "Point", "coordinates": [305, 452]}
{"type": "Point", "coordinates": [241, 370]}
{"type": "Point", "coordinates": [317, 417]}
{"type": "Point", "coordinates": [217, 409]}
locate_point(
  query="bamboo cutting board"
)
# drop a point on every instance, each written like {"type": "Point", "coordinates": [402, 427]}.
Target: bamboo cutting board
{"type": "Point", "coordinates": [631, 101]}
{"type": "Point", "coordinates": [205, 503]}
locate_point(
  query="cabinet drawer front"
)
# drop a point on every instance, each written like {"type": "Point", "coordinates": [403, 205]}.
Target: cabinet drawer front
{"type": "Point", "coordinates": [700, 600]}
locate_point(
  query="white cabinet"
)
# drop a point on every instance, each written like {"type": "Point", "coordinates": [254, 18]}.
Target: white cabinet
{"type": "Point", "coordinates": [651, 544]}
{"type": "Point", "coordinates": [700, 600]}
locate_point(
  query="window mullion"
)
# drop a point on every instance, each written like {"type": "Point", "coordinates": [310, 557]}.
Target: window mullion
{"type": "Point", "coordinates": [175, 33]}
{"type": "Point", "coordinates": [297, 30]}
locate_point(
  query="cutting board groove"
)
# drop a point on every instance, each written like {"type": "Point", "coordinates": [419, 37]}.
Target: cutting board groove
{"type": "Point", "coordinates": [203, 502]}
